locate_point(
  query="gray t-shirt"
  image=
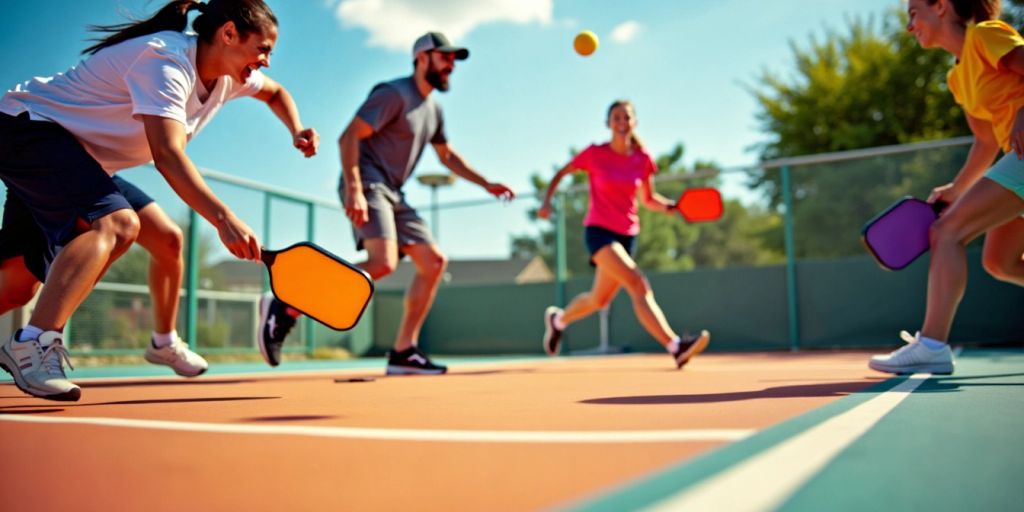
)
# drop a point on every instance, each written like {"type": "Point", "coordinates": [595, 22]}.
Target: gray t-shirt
{"type": "Point", "coordinates": [403, 123]}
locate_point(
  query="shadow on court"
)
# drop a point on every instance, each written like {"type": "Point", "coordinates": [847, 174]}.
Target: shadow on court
{"type": "Point", "coordinates": [798, 391]}
{"type": "Point", "coordinates": [20, 408]}
{"type": "Point", "coordinates": [162, 382]}
{"type": "Point", "coordinates": [296, 417]}
{"type": "Point", "coordinates": [953, 384]}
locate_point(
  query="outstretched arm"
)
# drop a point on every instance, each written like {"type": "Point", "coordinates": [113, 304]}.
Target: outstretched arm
{"type": "Point", "coordinates": [652, 200]}
{"type": "Point", "coordinates": [281, 103]}
{"type": "Point", "coordinates": [983, 152]}
{"type": "Point", "coordinates": [453, 161]}
{"type": "Point", "coordinates": [545, 208]}
{"type": "Point", "coordinates": [167, 143]}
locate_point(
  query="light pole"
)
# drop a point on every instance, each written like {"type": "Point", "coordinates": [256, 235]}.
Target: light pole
{"type": "Point", "coordinates": [435, 181]}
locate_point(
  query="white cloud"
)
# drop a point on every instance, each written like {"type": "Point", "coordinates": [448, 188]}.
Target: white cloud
{"type": "Point", "coordinates": [395, 24]}
{"type": "Point", "coordinates": [626, 31]}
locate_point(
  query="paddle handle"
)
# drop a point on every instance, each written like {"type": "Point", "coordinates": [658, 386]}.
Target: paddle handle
{"type": "Point", "coordinates": [268, 256]}
{"type": "Point", "coordinates": [938, 206]}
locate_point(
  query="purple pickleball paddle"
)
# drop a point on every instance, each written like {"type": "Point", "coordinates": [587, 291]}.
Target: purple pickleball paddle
{"type": "Point", "coordinates": [898, 235]}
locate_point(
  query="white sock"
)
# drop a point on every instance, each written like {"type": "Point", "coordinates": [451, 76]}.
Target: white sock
{"type": "Point", "coordinates": [165, 339]}
{"type": "Point", "coordinates": [673, 346]}
{"type": "Point", "coordinates": [559, 324]}
{"type": "Point", "coordinates": [931, 343]}
{"type": "Point", "coordinates": [29, 332]}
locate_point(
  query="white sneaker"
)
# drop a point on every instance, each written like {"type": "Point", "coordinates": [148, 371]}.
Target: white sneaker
{"type": "Point", "coordinates": [38, 366]}
{"type": "Point", "coordinates": [914, 357]}
{"type": "Point", "coordinates": [179, 357]}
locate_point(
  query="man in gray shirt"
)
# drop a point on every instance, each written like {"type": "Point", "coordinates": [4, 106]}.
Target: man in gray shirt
{"type": "Point", "coordinates": [379, 150]}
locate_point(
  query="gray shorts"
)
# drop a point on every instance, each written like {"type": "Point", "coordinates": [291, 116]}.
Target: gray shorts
{"type": "Point", "coordinates": [390, 218]}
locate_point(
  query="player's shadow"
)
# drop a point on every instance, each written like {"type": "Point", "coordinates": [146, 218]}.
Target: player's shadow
{"type": "Point", "coordinates": [797, 391]}
{"type": "Point", "coordinates": [957, 383]}
{"type": "Point", "coordinates": [161, 382]}
{"type": "Point", "coordinates": [161, 401]}
{"type": "Point", "coordinates": [294, 417]}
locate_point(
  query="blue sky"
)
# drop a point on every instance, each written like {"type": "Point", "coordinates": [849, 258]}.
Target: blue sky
{"type": "Point", "coordinates": [516, 106]}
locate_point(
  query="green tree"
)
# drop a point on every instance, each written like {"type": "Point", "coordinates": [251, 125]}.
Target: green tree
{"type": "Point", "coordinates": [859, 88]}
{"type": "Point", "coordinates": [1013, 12]}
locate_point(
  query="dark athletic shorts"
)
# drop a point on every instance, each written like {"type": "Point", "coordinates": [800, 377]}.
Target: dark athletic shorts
{"type": "Point", "coordinates": [597, 237]}
{"type": "Point", "coordinates": [57, 183]}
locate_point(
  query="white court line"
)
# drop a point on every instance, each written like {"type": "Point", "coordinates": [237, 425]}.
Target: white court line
{"type": "Point", "coordinates": [387, 434]}
{"type": "Point", "coordinates": [767, 480]}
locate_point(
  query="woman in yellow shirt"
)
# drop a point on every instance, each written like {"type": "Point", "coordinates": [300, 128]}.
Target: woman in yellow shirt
{"type": "Point", "coordinates": [988, 82]}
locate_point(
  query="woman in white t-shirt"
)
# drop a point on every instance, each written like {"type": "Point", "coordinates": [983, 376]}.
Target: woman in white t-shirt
{"type": "Point", "coordinates": [143, 91]}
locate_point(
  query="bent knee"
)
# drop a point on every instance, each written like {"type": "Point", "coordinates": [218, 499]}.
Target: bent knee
{"type": "Point", "coordinates": [122, 225]}
{"type": "Point", "coordinates": [946, 231]}
{"type": "Point", "coordinates": [435, 265]}
{"type": "Point", "coordinates": [172, 243]}
{"type": "Point", "coordinates": [637, 283]}
{"type": "Point", "coordinates": [1001, 268]}
{"type": "Point", "coordinates": [380, 267]}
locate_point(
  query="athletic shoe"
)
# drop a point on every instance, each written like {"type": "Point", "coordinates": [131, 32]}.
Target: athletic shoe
{"type": "Point", "coordinates": [178, 356]}
{"type": "Point", "coordinates": [412, 361]}
{"type": "Point", "coordinates": [689, 346]}
{"type": "Point", "coordinates": [38, 366]}
{"type": "Point", "coordinates": [275, 324]}
{"type": "Point", "coordinates": [552, 334]}
{"type": "Point", "coordinates": [914, 357]}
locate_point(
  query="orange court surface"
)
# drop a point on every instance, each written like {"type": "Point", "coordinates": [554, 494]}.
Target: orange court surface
{"type": "Point", "coordinates": [521, 434]}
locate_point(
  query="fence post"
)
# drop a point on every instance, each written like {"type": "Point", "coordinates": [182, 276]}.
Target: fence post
{"type": "Point", "coordinates": [192, 279]}
{"type": "Point", "coordinates": [561, 268]}
{"type": "Point", "coordinates": [310, 325]}
{"type": "Point", "coordinates": [791, 291]}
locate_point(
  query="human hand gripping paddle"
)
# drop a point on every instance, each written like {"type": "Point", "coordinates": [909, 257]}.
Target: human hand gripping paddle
{"type": "Point", "coordinates": [899, 235]}
{"type": "Point", "coordinates": [319, 284]}
{"type": "Point", "coordinates": [700, 205]}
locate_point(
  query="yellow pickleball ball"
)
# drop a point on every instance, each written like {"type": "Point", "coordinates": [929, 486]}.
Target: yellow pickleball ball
{"type": "Point", "coordinates": [585, 43]}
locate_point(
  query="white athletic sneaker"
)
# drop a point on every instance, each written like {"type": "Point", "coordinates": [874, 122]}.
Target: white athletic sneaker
{"type": "Point", "coordinates": [179, 357]}
{"type": "Point", "coordinates": [38, 366]}
{"type": "Point", "coordinates": [914, 357]}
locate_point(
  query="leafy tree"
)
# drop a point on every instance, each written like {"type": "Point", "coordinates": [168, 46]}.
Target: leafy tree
{"type": "Point", "coordinates": [860, 88]}
{"type": "Point", "coordinates": [1013, 12]}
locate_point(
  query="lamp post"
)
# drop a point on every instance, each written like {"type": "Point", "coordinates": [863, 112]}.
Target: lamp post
{"type": "Point", "coordinates": [435, 181]}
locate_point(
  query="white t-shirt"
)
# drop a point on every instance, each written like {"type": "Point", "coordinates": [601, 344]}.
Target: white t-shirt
{"type": "Point", "coordinates": [100, 100]}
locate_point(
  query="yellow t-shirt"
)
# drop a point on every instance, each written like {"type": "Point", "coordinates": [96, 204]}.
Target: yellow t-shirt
{"type": "Point", "coordinates": [984, 88]}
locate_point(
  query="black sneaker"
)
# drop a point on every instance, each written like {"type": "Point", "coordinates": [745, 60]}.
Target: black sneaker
{"type": "Point", "coordinates": [689, 346]}
{"type": "Point", "coordinates": [552, 334]}
{"type": "Point", "coordinates": [275, 324]}
{"type": "Point", "coordinates": [412, 361]}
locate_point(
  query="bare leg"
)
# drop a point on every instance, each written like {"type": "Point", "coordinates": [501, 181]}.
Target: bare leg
{"type": "Point", "coordinates": [163, 239]}
{"type": "Point", "coordinates": [616, 261]}
{"type": "Point", "coordinates": [80, 264]}
{"type": "Point", "coordinates": [1004, 252]}
{"type": "Point", "coordinates": [985, 206]}
{"type": "Point", "coordinates": [430, 265]}
{"type": "Point", "coordinates": [17, 284]}
{"type": "Point", "coordinates": [601, 293]}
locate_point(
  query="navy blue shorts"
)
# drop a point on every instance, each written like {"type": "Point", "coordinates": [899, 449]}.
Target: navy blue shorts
{"type": "Point", "coordinates": [57, 181]}
{"type": "Point", "coordinates": [597, 237]}
{"type": "Point", "coordinates": [21, 236]}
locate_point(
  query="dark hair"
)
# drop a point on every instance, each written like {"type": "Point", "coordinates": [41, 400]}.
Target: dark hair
{"type": "Point", "coordinates": [625, 104]}
{"type": "Point", "coordinates": [976, 11]}
{"type": "Point", "coordinates": [249, 16]}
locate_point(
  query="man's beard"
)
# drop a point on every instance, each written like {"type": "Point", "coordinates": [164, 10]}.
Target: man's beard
{"type": "Point", "coordinates": [436, 79]}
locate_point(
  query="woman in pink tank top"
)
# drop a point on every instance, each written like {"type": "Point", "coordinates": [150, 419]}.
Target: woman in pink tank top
{"type": "Point", "coordinates": [617, 170]}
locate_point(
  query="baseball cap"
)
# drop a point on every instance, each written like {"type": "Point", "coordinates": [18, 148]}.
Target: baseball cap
{"type": "Point", "coordinates": [437, 41]}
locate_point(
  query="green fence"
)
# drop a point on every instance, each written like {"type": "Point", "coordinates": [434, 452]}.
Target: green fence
{"type": "Point", "coordinates": [783, 270]}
